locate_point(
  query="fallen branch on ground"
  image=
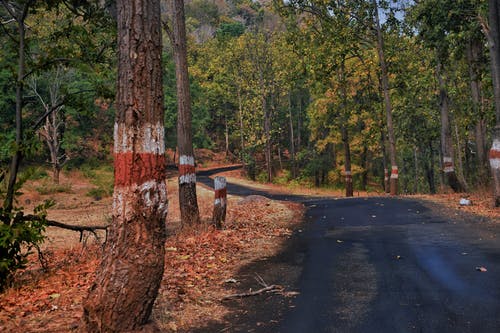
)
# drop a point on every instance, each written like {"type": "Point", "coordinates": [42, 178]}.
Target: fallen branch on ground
{"type": "Point", "coordinates": [80, 228]}
{"type": "Point", "coordinates": [274, 288]}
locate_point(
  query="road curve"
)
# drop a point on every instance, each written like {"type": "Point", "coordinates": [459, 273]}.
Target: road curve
{"type": "Point", "coordinates": [384, 264]}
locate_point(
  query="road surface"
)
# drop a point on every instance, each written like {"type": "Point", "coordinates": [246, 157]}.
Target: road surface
{"type": "Point", "coordinates": [385, 265]}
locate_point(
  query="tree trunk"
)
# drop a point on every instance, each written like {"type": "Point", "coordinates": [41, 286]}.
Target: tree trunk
{"type": "Point", "coordinates": [364, 164]}
{"type": "Point", "coordinates": [387, 103]}
{"type": "Point", "coordinates": [429, 170]}
{"type": "Point", "coordinates": [226, 136]}
{"type": "Point", "coordinates": [242, 141]}
{"type": "Point", "coordinates": [494, 44]}
{"type": "Point", "coordinates": [459, 159]}
{"type": "Point", "coordinates": [220, 202]}
{"type": "Point", "coordinates": [127, 281]}
{"type": "Point", "coordinates": [292, 139]}
{"type": "Point", "coordinates": [187, 176]}
{"type": "Point", "coordinates": [446, 140]}
{"type": "Point", "coordinates": [349, 191]}
{"type": "Point", "coordinates": [18, 155]}
{"type": "Point", "coordinates": [415, 161]}
{"type": "Point", "coordinates": [474, 52]}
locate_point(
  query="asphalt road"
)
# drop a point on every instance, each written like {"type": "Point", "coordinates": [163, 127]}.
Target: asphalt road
{"type": "Point", "coordinates": [390, 265]}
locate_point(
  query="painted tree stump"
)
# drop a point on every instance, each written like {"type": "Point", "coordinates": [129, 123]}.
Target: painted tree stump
{"type": "Point", "coordinates": [220, 203]}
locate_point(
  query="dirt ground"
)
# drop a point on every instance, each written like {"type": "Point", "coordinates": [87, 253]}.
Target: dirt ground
{"type": "Point", "coordinates": [201, 267]}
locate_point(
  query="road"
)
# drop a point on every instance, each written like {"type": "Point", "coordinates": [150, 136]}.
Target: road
{"type": "Point", "coordinates": [389, 265]}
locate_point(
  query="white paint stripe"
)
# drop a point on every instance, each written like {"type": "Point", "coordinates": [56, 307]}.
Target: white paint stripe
{"type": "Point", "coordinates": [186, 160]}
{"type": "Point", "coordinates": [347, 173]}
{"type": "Point", "coordinates": [153, 139]}
{"type": "Point", "coordinates": [219, 183]}
{"type": "Point", "coordinates": [449, 169]}
{"type": "Point", "coordinates": [495, 163]}
{"type": "Point", "coordinates": [152, 193]}
{"type": "Point", "coordinates": [394, 176]}
{"type": "Point", "coordinates": [221, 202]}
{"type": "Point", "coordinates": [187, 179]}
{"type": "Point", "coordinates": [447, 159]}
{"type": "Point", "coordinates": [495, 145]}
{"type": "Point", "coordinates": [394, 167]}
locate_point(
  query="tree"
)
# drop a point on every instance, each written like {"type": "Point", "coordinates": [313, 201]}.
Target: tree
{"type": "Point", "coordinates": [493, 34]}
{"type": "Point", "coordinates": [128, 278]}
{"type": "Point", "coordinates": [187, 177]}
{"type": "Point", "coordinates": [387, 101]}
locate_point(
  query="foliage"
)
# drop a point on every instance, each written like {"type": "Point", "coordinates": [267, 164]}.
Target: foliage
{"type": "Point", "coordinates": [19, 234]}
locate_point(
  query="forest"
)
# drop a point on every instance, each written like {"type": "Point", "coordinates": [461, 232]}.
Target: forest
{"type": "Point", "coordinates": [302, 92]}
{"type": "Point", "coordinates": [397, 96]}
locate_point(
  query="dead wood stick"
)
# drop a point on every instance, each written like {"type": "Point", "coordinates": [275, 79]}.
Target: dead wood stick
{"type": "Point", "coordinates": [78, 228]}
{"type": "Point", "coordinates": [268, 289]}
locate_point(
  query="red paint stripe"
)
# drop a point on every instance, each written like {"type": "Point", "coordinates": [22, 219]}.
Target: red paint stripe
{"type": "Point", "coordinates": [221, 194]}
{"type": "Point", "coordinates": [138, 168]}
{"type": "Point", "coordinates": [494, 153]}
{"type": "Point", "coordinates": [448, 164]}
{"type": "Point", "coordinates": [394, 171]}
{"type": "Point", "coordinates": [186, 169]}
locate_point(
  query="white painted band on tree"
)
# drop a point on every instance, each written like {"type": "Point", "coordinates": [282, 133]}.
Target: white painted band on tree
{"type": "Point", "coordinates": [187, 179]}
{"type": "Point", "coordinates": [495, 163]}
{"type": "Point", "coordinates": [448, 169]}
{"type": "Point", "coordinates": [186, 160]}
{"type": "Point", "coordinates": [219, 183]}
{"type": "Point", "coordinates": [347, 173]}
{"type": "Point", "coordinates": [153, 195]}
{"type": "Point", "coordinates": [495, 145]}
{"type": "Point", "coordinates": [394, 172]}
{"type": "Point", "coordinates": [152, 141]}
{"type": "Point", "coordinates": [220, 201]}
{"type": "Point", "coordinates": [447, 159]}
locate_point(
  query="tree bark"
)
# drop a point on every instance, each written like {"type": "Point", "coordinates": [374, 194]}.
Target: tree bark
{"type": "Point", "coordinates": [387, 102]}
{"type": "Point", "coordinates": [493, 36]}
{"type": "Point", "coordinates": [127, 281]}
{"type": "Point", "coordinates": [220, 202]}
{"type": "Point", "coordinates": [446, 139]}
{"type": "Point", "coordinates": [474, 51]}
{"type": "Point", "coordinates": [187, 176]}
{"type": "Point", "coordinates": [349, 191]}
{"type": "Point", "coordinates": [292, 138]}
{"type": "Point", "coordinates": [21, 69]}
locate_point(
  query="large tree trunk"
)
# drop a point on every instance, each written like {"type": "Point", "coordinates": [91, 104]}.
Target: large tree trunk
{"type": "Point", "coordinates": [187, 177]}
{"type": "Point", "coordinates": [474, 52]}
{"type": "Point", "coordinates": [128, 278]}
{"type": "Point", "coordinates": [494, 44]}
{"type": "Point", "coordinates": [446, 139]}
{"type": "Point", "coordinates": [387, 102]}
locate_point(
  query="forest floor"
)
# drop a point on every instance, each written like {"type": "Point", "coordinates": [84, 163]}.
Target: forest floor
{"type": "Point", "coordinates": [201, 267]}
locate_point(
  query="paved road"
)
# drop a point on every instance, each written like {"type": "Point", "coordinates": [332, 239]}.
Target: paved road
{"type": "Point", "coordinates": [391, 265]}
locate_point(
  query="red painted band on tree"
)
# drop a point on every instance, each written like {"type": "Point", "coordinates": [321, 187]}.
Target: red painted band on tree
{"type": "Point", "coordinates": [138, 168]}
{"type": "Point", "coordinates": [494, 154]}
{"type": "Point", "coordinates": [185, 169]}
{"type": "Point", "coordinates": [222, 193]}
